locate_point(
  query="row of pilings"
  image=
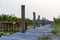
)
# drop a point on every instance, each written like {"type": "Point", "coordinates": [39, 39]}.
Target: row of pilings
{"type": "Point", "coordinates": [11, 26]}
{"type": "Point", "coordinates": [23, 19]}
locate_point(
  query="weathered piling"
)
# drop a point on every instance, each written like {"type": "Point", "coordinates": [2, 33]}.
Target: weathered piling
{"type": "Point", "coordinates": [34, 19]}
{"type": "Point", "coordinates": [43, 19]}
{"type": "Point", "coordinates": [38, 20]}
{"type": "Point", "coordinates": [26, 26]}
{"type": "Point", "coordinates": [19, 26]}
{"type": "Point", "coordinates": [14, 26]}
{"type": "Point", "coordinates": [6, 27]}
{"type": "Point", "coordinates": [23, 17]}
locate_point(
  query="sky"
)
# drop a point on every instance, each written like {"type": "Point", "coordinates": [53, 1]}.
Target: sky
{"type": "Point", "coordinates": [45, 8]}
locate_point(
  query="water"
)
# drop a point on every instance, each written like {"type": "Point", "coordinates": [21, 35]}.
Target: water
{"type": "Point", "coordinates": [30, 34]}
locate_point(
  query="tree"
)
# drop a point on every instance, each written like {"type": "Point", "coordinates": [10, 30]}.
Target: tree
{"type": "Point", "coordinates": [54, 19]}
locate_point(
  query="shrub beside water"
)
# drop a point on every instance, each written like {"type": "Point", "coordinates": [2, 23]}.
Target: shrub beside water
{"type": "Point", "coordinates": [5, 33]}
{"type": "Point", "coordinates": [1, 34]}
{"type": "Point", "coordinates": [43, 38]}
{"type": "Point", "coordinates": [56, 28]}
{"type": "Point", "coordinates": [54, 31]}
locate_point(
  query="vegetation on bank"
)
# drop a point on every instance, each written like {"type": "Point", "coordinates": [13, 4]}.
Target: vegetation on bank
{"type": "Point", "coordinates": [5, 33]}
{"type": "Point", "coordinates": [56, 26]}
{"type": "Point", "coordinates": [12, 18]}
{"type": "Point", "coordinates": [44, 37]}
{"type": "Point", "coordinates": [5, 17]}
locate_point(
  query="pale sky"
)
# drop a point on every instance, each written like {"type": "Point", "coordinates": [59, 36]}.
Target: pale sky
{"type": "Point", "coordinates": [44, 8]}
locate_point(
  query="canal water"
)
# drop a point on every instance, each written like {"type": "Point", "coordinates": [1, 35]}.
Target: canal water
{"type": "Point", "coordinates": [31, 34]}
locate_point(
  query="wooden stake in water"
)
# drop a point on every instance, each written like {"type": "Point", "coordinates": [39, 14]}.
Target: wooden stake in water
{"type": "Point", "coordinates": [23, 17]}
{"type": "Point", "coordinates": [26, 26]}
{"type": "Point", "coordinates": [38, 20]}
{"type": "Point", "coordinates": [34, 22]}
{"type": "Point", "coordinates": [43, 21]}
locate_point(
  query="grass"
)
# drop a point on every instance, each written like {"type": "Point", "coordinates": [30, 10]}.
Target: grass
{"type": "Point", "coordinates": [47, 37]}
{"type": "Point", "coordinates": [54, 31]}
{"type": "Point", "coordinates": [5, 33]}
{"type": "Point", "coordinates": [56, 28]}
{"type": "Point", "coordinates": [43, 38]}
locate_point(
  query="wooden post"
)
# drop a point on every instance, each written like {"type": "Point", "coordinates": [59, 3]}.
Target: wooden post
{"type": "Point", "coordinates": [0, 27]}
{"type": "Point", "coordinates": [18, 26]}
{"type": "Point", "coordinates": [13, 28]}
{"type": "Point", "coordinates": [34, 22]}
{"type": "Point", "coordinates": [14, 25]}
{"type": "Point", "coordinates": [25, 26]}
{"type": "Point", "coordinates": [9, 27]}
{"type": "Point", "coordinates": [6, 26]}
{"type": "Point", "coordinates": [43, 22]}
{"type": "Point", "coordinates": [38, 20]}
{"type": "Point", "coordinates": [23, 17]}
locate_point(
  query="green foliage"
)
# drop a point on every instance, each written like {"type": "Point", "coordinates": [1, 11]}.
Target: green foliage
{"type": "Point", "coordinates": [1, 34]}
{"type": "Point", "coordinates": [54, 31]}
{"type": "Point", "coordinates": [27, 19]}
{"type": "Point", "coordinates": [56, 20]}
{"type": "Point", "coordinates": [11, 18]}
{"type": "Point", "coordinates": [56, 25]}
{"type": "Point", "coordinates": [5, 17]}
{"type": "Point", "coordinates": [56, 28]}
{"type": "Point", "coordinates": [5, 33]}
{"type": "Point", "coordinates": [43, 38]}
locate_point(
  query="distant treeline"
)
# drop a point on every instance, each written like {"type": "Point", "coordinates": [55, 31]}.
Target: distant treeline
{"type": "Point", "coordinates": [5, 17]}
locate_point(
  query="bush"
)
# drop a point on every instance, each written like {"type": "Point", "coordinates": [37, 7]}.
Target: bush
{"type": "Point", "coordinates": [1, 34]}
{"type": "Point", "coordinates": [43, 38]}
{"type": "Point", "coordinates": [54, 31]}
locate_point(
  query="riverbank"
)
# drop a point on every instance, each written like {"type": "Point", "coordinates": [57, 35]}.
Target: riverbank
{"type": "Point", "coordinates": [56, 28]}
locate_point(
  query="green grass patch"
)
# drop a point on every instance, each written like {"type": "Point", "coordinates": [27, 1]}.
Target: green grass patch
{"type": "Point", "coordinates": [5, 33]}
{"type": "Point", "coordinates": [43, 38]}
{"type": "Point", "coordinates": [54, 31]}
{"type": "Point", "coordinates": [56, 28]}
